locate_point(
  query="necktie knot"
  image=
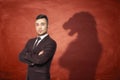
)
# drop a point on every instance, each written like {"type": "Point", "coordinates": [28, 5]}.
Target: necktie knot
{"type": "Point", "coordinates": [38, 38]}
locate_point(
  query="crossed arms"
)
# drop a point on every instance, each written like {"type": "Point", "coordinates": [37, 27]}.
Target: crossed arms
{"type": "Point", "coordinates": [32, 58]}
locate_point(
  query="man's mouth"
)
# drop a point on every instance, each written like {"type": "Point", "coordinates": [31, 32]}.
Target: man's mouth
{"type": "Point", "coordinates": [40, 31]}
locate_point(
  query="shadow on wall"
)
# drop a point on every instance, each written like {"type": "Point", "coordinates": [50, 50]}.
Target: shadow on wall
{"type": "Point", "coordinates": [82, 55]}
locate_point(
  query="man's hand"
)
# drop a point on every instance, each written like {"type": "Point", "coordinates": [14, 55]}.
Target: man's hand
{"type": "Point", "coordinates": [41, 52]}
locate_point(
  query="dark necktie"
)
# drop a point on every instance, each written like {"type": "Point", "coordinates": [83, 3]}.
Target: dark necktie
{"type": "Point", "coordinates": [35, 44]}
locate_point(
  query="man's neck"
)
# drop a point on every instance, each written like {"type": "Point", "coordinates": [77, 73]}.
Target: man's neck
{"type": "Point", "coordinates": [43, 36]}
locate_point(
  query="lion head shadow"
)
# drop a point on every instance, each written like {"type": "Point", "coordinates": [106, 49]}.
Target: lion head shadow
{"type": "Point", "coordinates": [82, 54]}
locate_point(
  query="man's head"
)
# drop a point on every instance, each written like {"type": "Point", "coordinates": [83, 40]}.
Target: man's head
{"type": "Point", "coordinates": [41, 24]}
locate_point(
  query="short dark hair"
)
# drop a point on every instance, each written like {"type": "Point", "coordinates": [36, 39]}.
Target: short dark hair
{"type": "Point", "coordinates": [40, 16]}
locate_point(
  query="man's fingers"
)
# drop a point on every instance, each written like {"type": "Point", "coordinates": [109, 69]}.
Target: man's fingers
{"type": "Point", "coordinates": [41, 52]}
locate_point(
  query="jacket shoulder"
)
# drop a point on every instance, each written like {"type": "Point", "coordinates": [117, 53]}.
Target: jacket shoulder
{"type": "Point", "coordinates": [52, 40]}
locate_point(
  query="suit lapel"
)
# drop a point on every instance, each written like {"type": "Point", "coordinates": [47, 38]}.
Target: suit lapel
{"type": "Point", "coordinates": [32, 42]}
{"type": "Point", "coordinates": [43, 40]}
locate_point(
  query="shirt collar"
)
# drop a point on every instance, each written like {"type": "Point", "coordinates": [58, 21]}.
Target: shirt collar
{"type": "Point", "coordinates": [43, 36]}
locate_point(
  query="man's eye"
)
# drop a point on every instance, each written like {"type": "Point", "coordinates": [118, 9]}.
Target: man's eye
{"type": "Point", "coordinates": [42, 24]}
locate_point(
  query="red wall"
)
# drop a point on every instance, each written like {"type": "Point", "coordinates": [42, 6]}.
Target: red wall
{"type": "Point", "coordinates": [86, 31]}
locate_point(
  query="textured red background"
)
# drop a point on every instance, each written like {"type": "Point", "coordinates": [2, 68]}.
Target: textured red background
{"type": "Point", "coordinates": [87, 33]}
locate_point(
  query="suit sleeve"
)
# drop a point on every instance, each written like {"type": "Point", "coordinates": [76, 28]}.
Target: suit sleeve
{"type": "Point", "coordinates": [24, 53]}
{"type": "Point", "coordinates": [49, 51]}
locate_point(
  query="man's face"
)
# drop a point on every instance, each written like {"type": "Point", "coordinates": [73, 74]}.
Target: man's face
{"type": "Point", "coordinates": [41, 26]}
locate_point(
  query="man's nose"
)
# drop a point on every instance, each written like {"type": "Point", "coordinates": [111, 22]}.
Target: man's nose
{"type": "Point", "coordinates": [39, 26]}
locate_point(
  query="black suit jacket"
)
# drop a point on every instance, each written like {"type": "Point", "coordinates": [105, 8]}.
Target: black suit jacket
{"type": "Point", "coordinates": [38, 65]}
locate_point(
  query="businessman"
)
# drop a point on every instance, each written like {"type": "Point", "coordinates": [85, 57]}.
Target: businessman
{"type": "Point", "coordinates": [39, 51]}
